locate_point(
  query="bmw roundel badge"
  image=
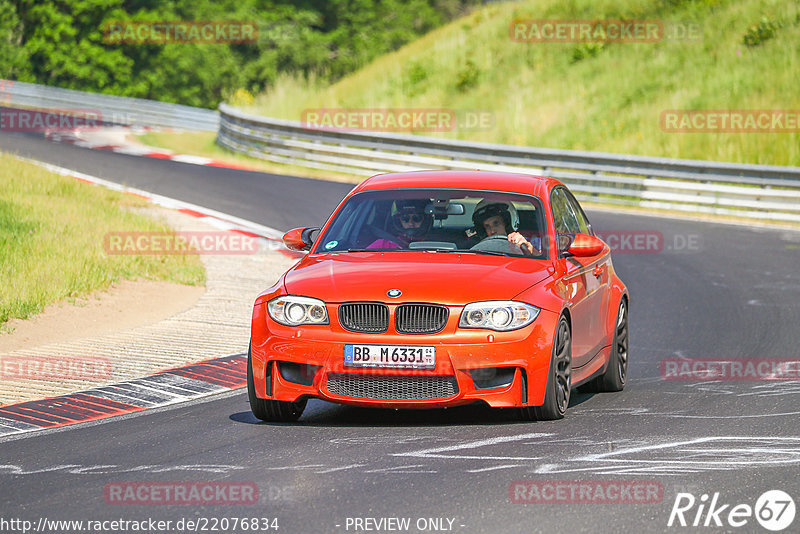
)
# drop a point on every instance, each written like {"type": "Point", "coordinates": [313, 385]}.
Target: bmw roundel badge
{"type": "Point", "coordinates": [394, 293]}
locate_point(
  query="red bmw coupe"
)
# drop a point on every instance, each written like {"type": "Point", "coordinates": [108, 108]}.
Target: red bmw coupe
{"type": "Point", "coordinates": [441, 288]}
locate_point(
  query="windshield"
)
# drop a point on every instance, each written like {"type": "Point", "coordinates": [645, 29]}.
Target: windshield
{"type": "Point", "coordinates": [474, 221]}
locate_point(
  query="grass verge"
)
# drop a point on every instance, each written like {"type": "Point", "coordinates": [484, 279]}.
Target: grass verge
{"type": "Point", "coordinates": [52, 230]}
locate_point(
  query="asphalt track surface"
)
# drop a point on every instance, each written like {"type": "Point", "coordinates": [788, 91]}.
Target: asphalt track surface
{"type": "Point", "coordinates": [712, 291]}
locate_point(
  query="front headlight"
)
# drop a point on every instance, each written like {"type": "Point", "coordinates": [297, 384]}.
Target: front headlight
{"type": "Point", "coordinates": [291, 310]}
{"type": "Point", "coordinates": [499, 315]}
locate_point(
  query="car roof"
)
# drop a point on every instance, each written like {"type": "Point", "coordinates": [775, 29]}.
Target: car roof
{"type": "Point", "coordinates": [486, 180]}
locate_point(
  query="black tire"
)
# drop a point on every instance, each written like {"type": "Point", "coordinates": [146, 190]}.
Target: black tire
{"type": "Point", "coordinates": [559, 385]}
{"type": "Point", "coordinates": [271, 410]}
{"type": "Point", "coordinates": [617, 371]}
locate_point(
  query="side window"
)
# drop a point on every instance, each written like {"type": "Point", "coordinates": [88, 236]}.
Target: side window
{"type": "Point", "coordinates": [563, 216]}
{"type": "Point", "coordinates": [577, 212]}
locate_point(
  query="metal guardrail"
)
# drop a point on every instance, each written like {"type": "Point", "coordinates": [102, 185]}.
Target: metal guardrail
{"type": "Point", "coordinates": [751, 191]}
{"type": "Point", "coordinates": [111, 109]}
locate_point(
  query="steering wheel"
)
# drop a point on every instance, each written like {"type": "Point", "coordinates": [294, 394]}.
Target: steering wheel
{"type": "Point", "coordinates": [499, 243]}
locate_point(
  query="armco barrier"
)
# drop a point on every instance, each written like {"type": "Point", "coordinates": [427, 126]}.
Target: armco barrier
{"type": "Point", "coordinates": [118, 110]}
{"type": "Point", "coordinates": [750, 191]}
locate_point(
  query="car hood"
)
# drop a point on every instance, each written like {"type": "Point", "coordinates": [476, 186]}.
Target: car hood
{"type": "Point", "coordinates": [446, 278]}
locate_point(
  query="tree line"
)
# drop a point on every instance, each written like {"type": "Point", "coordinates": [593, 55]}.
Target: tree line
{"type": "Point", "coordinates": [65, 43]}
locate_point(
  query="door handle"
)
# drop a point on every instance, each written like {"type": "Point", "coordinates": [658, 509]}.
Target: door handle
{"type": "Point", "coordinates": [598, 271]}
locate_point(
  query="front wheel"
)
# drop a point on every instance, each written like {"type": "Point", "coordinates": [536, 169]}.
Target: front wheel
{"type": "Point", "coordinates": [559, 383]}
{"type": "Point", "coordinates": [271, 410]}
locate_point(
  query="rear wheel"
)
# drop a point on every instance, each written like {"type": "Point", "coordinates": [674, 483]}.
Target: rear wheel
{"type": "Point", "coordinates": [271, 410]}
{"type": "Point", "coordinates": [617, 371]}
{"type": "Point", "coordinates": [557, 391]}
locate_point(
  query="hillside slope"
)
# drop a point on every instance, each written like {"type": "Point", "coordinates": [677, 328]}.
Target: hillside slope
{"type": "Point", "coordinates": [588, 96]}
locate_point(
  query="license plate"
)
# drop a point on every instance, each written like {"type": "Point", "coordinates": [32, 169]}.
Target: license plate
{"type": "Point", "coordinates": [416, 356]}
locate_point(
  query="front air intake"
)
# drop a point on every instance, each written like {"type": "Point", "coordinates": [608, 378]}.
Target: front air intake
{"type": "Point", "coordinates": [392, 387]}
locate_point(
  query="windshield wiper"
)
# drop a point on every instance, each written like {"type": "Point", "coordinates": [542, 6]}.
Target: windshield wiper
{"type": "Point", "coordinates": [432, 249]}
{"type": "Point", "coordinates": [470, 251]}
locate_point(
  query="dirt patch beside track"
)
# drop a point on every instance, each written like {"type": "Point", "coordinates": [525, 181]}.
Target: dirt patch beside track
{"type": "Point", "coordinates": [127, 305]}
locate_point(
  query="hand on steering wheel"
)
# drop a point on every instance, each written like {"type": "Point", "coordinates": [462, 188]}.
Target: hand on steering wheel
{"type": "Point", "coordinates": [491, 243]}
{"type": "Point", "coordinates": [519, 240]}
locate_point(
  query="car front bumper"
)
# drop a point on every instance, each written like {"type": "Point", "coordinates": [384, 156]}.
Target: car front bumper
{"type": "Point", "coordinates": [502, 369]}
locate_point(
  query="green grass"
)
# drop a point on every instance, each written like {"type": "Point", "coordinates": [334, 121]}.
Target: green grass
{"type": "Point", "coordinates": [52, 231]}
{"type": "Point", "coordinates": [604, 98]}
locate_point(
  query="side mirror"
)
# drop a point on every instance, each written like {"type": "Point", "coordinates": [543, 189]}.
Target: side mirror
{"type": "Point", "coordinates": [299, 238]}
{"type": "Point", "coordinates": [584, 245]}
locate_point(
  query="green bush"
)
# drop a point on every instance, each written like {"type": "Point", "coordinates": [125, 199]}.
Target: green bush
{"type": "Point", "coordinates": [586, 50]}
{"type": "Point", "coordinates": [763, 31]}
{"type": "Point", "coordinates": [414, 78]}
{"type": "Point", "coordinates": [467, 77]}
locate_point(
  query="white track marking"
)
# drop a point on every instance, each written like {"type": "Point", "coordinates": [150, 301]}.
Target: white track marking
{"type": "Point", "coordinates": [400, 469]}
{"type": "Point", "coordinates": [438, 452]}
{"type": "Point", "coordinates": [196, 160]}
{"type": "Point", "coordinates": [495, 468]}
{"type": "Point", "coordinates": [77, 469]}
{"type": "Point", "coordinates": [343, 468]}
{"type": "Point", "coordinates": [715, 453]}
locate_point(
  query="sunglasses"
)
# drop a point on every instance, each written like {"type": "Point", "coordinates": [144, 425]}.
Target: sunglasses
{"type": "Point", "coordinates": [414, 217]}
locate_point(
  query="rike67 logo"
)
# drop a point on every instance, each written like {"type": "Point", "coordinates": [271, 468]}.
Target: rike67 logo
{"type": "Point", "coordinates": [774, 510]}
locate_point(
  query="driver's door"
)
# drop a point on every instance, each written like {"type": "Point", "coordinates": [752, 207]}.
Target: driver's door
{"type": "Point", "coordinates": [581, 281]}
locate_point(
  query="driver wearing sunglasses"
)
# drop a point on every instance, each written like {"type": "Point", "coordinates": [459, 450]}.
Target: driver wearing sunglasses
{"type": "Point", "coordinates": [411, 220]}
{"type": "Point", "coordinates": [409, 223]}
